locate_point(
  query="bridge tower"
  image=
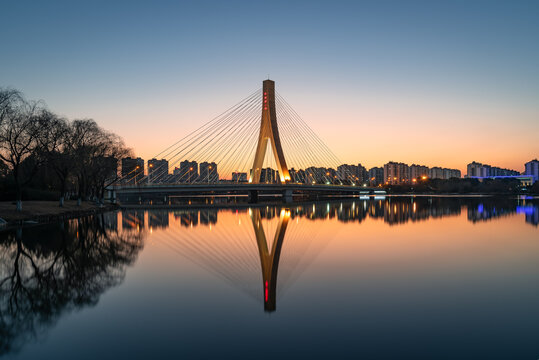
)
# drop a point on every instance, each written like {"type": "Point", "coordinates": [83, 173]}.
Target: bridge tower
{"type": "Point", "coordinates": [269, 259]}
{"type": "Point", "coordinates": [269, 131]}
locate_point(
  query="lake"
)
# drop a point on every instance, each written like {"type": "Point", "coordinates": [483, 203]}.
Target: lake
{"type": "Point", "coordinates": [376, 278]}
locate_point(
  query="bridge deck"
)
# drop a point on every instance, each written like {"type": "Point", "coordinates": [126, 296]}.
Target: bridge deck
{"type": "Point", "coordinates": [240, 188]}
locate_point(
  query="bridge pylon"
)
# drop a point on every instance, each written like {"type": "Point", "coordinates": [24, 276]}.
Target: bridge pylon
{"type": "Point", "coordinates": [269, 259]}
{"type": "Point", "coordinates": [269, 131]}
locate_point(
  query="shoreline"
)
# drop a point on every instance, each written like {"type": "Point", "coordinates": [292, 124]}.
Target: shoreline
{"type": "Point", "coordinates": [245, 205]}
{"type": "Point", "coordinates": [43, 212]}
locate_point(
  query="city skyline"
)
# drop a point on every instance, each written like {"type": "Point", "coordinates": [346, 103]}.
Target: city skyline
{"type": "Point", "coordinates": [376, 86]}
{"type": "Point", "coordinates": [134, 171]}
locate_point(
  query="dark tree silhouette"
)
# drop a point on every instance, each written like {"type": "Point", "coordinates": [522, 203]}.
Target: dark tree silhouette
{"type": "Point", "coordinates": [20, 125]}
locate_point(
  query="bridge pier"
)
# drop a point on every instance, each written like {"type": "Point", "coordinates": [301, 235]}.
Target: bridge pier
{"type": "Point", "coordinates": [287, 196]}
{"type": "Point", "coordinates": [253, 196]}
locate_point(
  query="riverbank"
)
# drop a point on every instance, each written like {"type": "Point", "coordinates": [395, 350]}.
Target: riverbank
{"type": "Point", "coordinates": [47, 211]}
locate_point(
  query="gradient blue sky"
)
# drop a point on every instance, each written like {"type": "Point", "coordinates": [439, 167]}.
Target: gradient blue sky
{"type": "Point", "coordinates": [437, 83]}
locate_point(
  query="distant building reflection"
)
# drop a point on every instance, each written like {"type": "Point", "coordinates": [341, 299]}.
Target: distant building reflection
{"type": "Point", "coordinates": [158, 219]}
{"type": "Point", "coordinates": [208, 217]}
{"type": "Point", "coordinates": [392, 211]}
{"type": "Point", "coordinates": [133, 219]}
{"type": "Point", "coordinates": [492, 208]}
{"type": "Point", "coordinates": [532, 215]}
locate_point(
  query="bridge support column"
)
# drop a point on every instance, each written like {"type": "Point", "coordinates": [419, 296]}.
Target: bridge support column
{"type": "Point", "coordinates": [253, 196]}
{"type": "Point", "coordinates": [269, 132]}
{"type": "Point", "coordinates": [287, 196]}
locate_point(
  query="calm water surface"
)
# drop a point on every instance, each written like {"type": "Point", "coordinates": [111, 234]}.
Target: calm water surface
{"type": "Point", "coordinates": [434, 278]}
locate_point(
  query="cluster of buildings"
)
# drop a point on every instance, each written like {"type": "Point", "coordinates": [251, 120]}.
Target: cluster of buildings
{"type": "Point", "coordinates": [392, 173]}
{"type": "Point", "coordinates": [158, 172]}
{"type": "Point", "coordinates": [396, 173]}
{"type": "Point", "coordinates": [476, 170]}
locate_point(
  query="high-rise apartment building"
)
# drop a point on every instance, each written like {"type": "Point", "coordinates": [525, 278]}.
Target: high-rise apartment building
{"type": "Point", "coordinates": [352, 173]}
{"type": "Point", "coordinates": [418, 172]}
{"type": "Point", "coordinates": [396, 173]}
{"type": "Point", "coordinates": [376, 176]}
{"type": "Point", "coordinates": [188, 172]}
{"type": "Point", "coordinates": [208, 172]}
{"type": "Point", "coordinates": [239, 177]}
{"type": "Point", "coordinates": [132, 170]}
{"type": "Point", "coordinates": [157, 170]}
{"type": "Point", "coordinates": [475, 169]}
{"type": "Point", "coordinates": [532, 169]}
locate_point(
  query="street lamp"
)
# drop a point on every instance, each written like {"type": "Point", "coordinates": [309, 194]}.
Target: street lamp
{"type": "Point", "coordinates": [136, 173]}
{"type": "Point", "coordinates": [190, 169]}
{"type": "Point", "coordinates": [209, 168]}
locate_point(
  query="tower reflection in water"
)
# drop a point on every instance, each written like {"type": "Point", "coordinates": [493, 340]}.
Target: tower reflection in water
{"type": "Point", "coordinates": [269, 259]}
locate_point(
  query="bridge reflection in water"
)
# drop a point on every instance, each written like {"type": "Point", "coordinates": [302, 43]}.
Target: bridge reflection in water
{"type": "Point", "coordinates": [250, 248]}
{"type": "Point", "coordinates": [263, 250]}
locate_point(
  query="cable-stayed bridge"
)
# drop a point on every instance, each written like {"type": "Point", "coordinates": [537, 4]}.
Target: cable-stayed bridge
{"type": "Point", "coordinates": [260, 145]}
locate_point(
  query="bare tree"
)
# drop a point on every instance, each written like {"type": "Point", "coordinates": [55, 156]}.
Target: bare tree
{"type": "Point", "coordinates": [56, 146]}
{"type": "Point", "coordinates": [19, 130]}
{"type": "Point", "coordinates": [96, 155]}
{"type": "Point", "coordinates": [85, 142]}
{"type": "Point", "coordinates": [7, 98]}
{"type": "Point", "coordinates": [31, 136]}
{"type": "Point", "coordinates": [104, 166]}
